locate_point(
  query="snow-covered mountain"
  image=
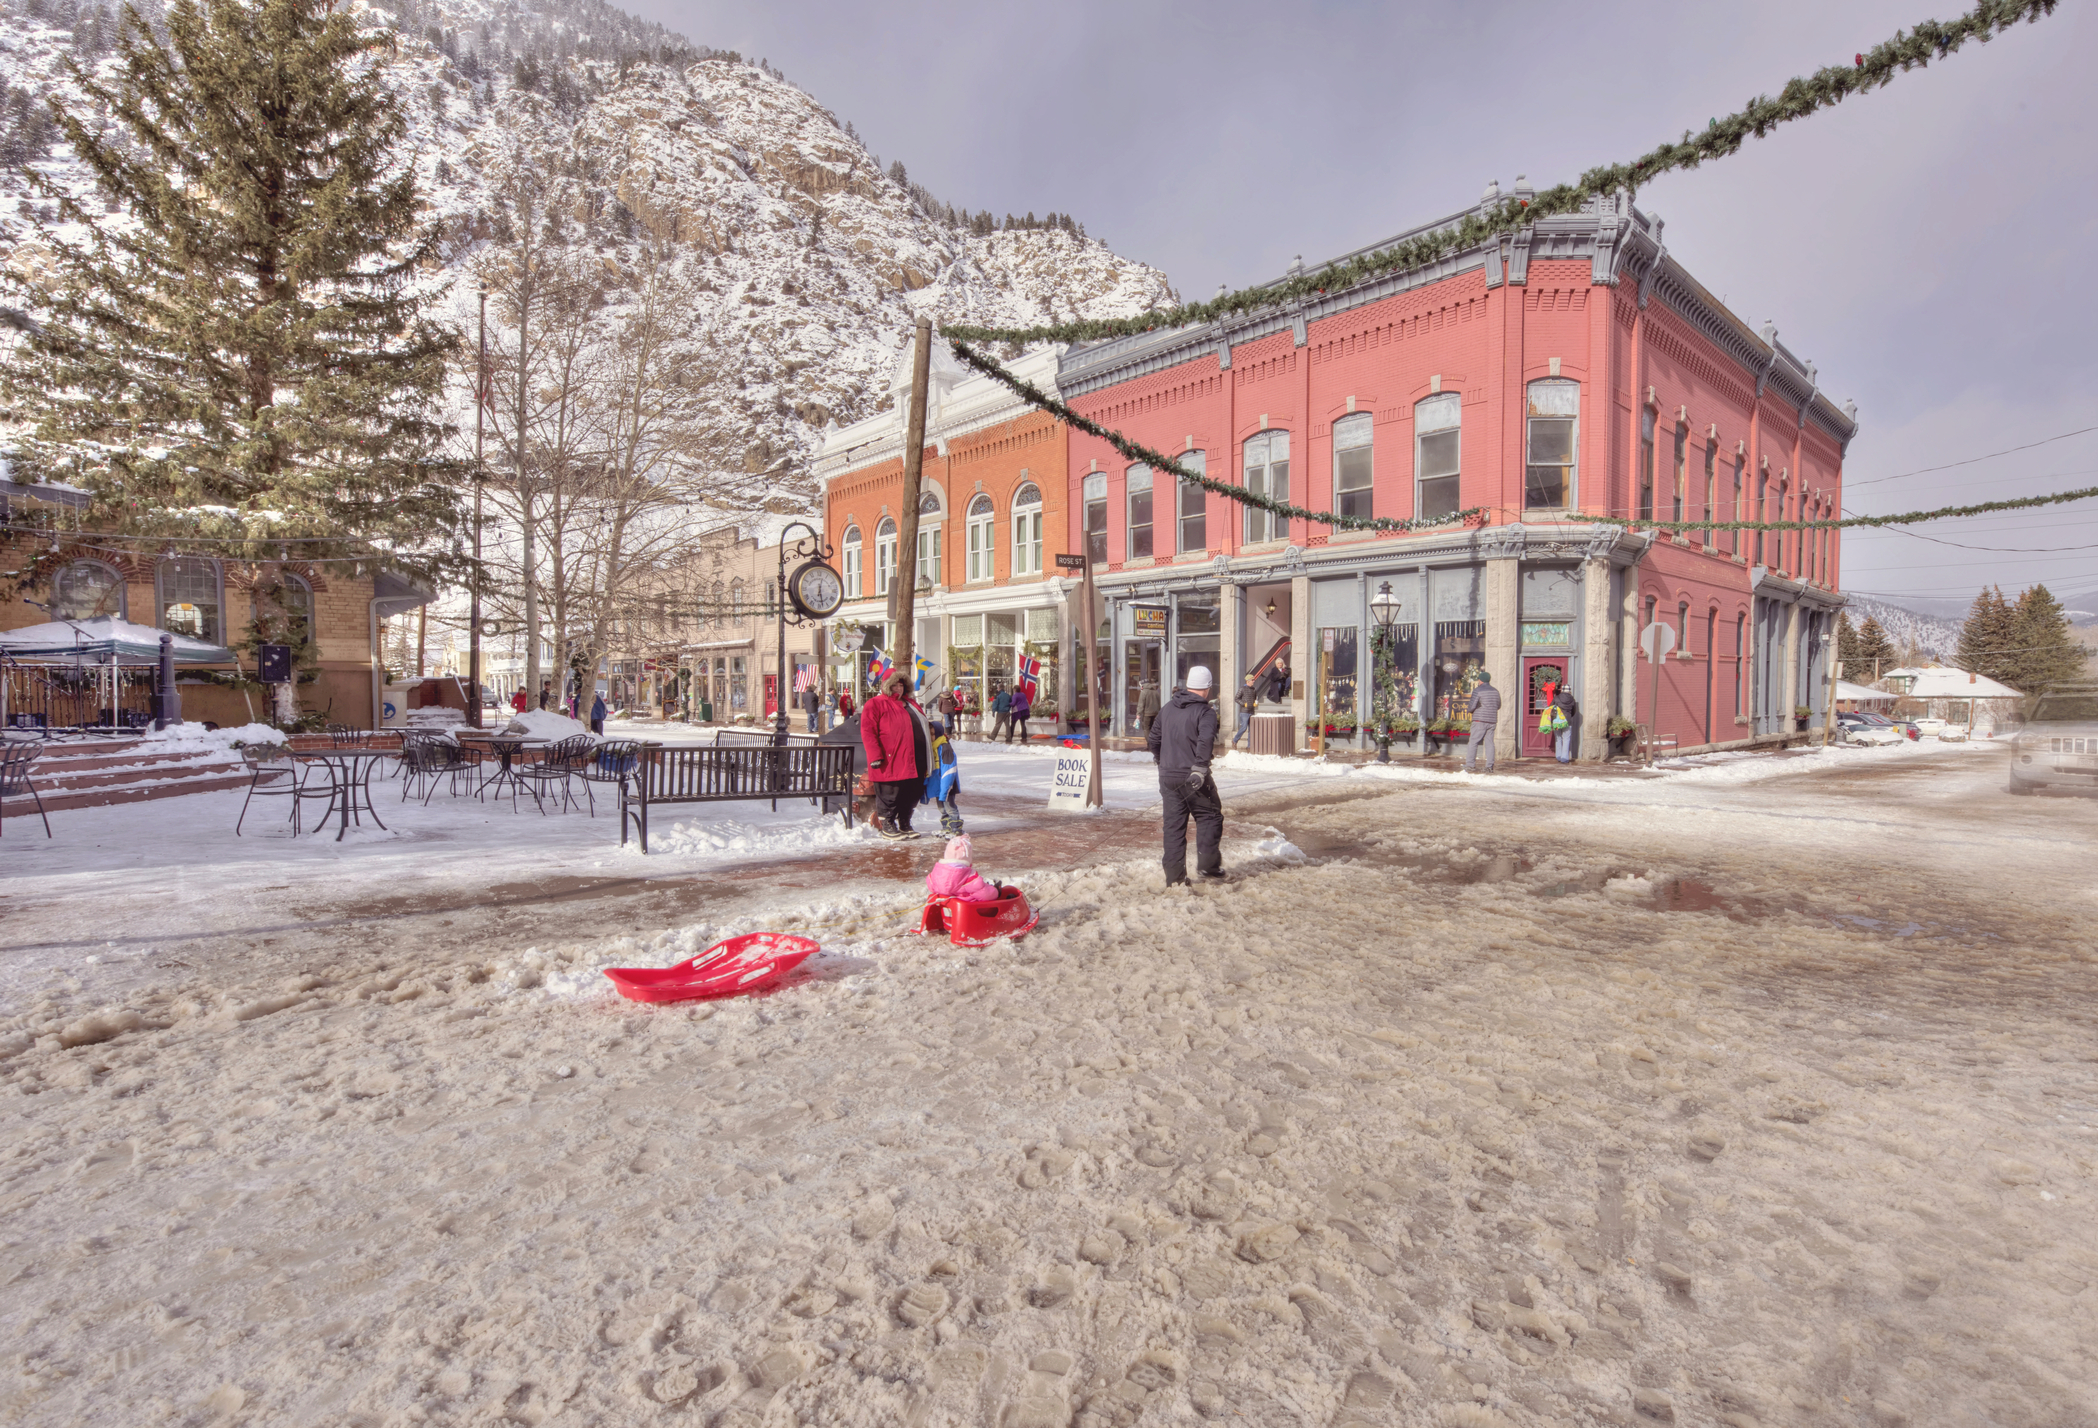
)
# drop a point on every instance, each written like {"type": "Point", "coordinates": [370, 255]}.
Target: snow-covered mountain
{"type": "Point", "coordinates": [1932, 637]}
{"type": "Point", "coordinates": [800, 263]}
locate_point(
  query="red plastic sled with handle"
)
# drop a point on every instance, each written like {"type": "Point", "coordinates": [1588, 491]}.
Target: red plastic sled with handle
{"type": "Point", "coordinates": [976, 924]}
{"type": "Point", "coordinates": [734, 968]}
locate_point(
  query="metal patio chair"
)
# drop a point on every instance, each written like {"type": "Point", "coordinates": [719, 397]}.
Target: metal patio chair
{"type": "Point", "coordinates": [613, 761]}
{"type": "Point", "coordinates": [556, 765]}
{"type": "Point", "coordinates": [14, 775]}
{"type": "Point", "coordinates": [275, 774]}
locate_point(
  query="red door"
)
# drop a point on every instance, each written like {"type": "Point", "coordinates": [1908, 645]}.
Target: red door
{"type": "Point", "coordinates": [771, 695]}
{"type": "Point", "coordinates": [1541, 678]}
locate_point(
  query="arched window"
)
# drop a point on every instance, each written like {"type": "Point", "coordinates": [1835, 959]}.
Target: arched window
{"type": "Point", "coordinates": [929, 510]}
{"type": "Point", "coordinates": [1554, 421]}
{"type": "Point", "coordinates": [1027, 530]}
{"type": "Point", "coordinates": [1267, 474]}
{"type": "Point", "coordinates": [1352, 477]}
{"type": "Point", "coordinates": [191, 599]}
{"type": "Point", "coordinates": [1682, 471]}
{"type": "Point", "coordinates": [853, 580]}
{"type": "Point", "coordinates": [1137, 480]}
{"type": "Point", "coordinates": [87, 590]}
{"type": "Point", "coordinates": [1437, 452]}
{"type": "Point", "coordinates": [982, 539]}
{"type": "Point", "coordinates": [884, 555]}
{"type": "Point", "coordinates": [1193, 504]}
{"type": "Point", "coordinates": [735, 598]}
{"type": "Point", "coordinates": [282, 609]}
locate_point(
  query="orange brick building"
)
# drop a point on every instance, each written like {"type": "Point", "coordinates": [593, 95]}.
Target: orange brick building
{"type": "Point", "coordinates": [992, 520]}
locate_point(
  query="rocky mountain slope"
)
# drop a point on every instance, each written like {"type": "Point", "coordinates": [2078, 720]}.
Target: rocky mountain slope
{"type": "Point", "coordinates": [798, 263]}
{"type": "Point", "coordinates": [1933, 637]}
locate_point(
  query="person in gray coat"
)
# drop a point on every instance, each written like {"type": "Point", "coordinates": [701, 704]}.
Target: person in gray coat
{"type": "Point", "coordinates": [1183, 738]}
{"type": "Point", "coordinates": [1486, 713]}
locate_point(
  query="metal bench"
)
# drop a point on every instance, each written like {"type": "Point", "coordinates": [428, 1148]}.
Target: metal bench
{"type": "Point", "coordinates": [735, 775]}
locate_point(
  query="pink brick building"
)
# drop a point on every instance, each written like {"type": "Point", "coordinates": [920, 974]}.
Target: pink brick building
{"type": "Point", "coordinates": [1572, 367]}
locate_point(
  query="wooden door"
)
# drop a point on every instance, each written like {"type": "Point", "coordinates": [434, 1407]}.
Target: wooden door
{"type": "Point", "coordinates": [1541, 677]}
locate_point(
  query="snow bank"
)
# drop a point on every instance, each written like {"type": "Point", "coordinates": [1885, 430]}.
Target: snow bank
{"type": "Point", "coordinates": [186, 737]}
{"type": "Point", "coordinates": [547, 724]}
{"type": "Point", "coordinates": [733, 836]}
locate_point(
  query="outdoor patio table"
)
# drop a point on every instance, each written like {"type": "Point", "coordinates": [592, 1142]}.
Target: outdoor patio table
{"type": "Point", "coordinates": [506, 747]}
{"type": "Point", "coordinates": [350, 772]}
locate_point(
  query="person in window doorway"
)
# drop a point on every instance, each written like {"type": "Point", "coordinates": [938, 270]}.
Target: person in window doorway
{"type": "Point", "coordinates": [1486, 714]}
{"type": "Point", "coordinates": [597, 715]}
{"type": "Point", "coordinates": [1020, 708]}
{"type": "Point", "coordinates": [1183, 738]}
{"type": "Point", "coordinates": [1563, 735]}
{"type": "Point", "coordinates": [1278, 682]}
{"type": "Point", "coordinates": [1248, 701]}
{"type": "Point", "coordinates": [1002, 716]}
{"type": "Point", "coordinates": [1146, 706]}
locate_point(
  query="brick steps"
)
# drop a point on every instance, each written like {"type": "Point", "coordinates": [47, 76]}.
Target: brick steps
{"type": "Point", "coordinates": [95, 773]}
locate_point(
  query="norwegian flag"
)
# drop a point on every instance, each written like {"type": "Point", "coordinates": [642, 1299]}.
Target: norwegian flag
{"type": "Point", "coordinates": [1030, 676]}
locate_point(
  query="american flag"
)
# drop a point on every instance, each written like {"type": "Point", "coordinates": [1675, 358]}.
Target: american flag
{"type": "Point", "coordinates": [1030, 676]}
{"type": "Point", "coordinates": [804, 678]}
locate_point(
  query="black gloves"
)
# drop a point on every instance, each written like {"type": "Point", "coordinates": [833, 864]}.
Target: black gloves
{"type": "Point", "coordinates": [1196, 778]}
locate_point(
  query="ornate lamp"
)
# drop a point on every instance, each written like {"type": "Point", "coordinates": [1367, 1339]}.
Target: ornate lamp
{"type": "Point", "coordinates": [1384, 609]}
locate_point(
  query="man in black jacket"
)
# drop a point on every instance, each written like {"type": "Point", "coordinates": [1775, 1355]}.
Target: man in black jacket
{"type": "Point", "coordinates": [1183, 737]}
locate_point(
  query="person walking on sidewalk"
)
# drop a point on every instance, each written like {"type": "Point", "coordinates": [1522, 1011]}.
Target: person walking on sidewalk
{"type": "Point", "coordinates": [597, 715]}
{"type": "Point", "coordinates": [897, 750]}
{"type": "Point", "coordinates": [1248, 701]}
{"type": "Point", "coordinates": [812, 702]}
{"type": "Point", "coordinates": [1486, 713]}
{"type": "Point", "coordinates": [1183, 738]}
{"type": "Point", "coordinates": [1563, 734]}
{"type": "Point", "coordinates": [1022, 706]}
{"type": "Point", "coordinates": [1002, 710]}
{"type": "Point", "coordinates": [1147, 706]}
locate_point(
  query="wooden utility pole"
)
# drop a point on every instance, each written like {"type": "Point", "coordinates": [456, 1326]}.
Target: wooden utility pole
{"type": "Point", "coordinates": [473, 619]}
{"type": "Point", "coordinates": [903, 584]}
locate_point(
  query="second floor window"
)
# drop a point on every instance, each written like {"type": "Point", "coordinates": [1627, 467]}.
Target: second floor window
{"type": "Point", "coordinates": [1554, 419]}
{"type": "Point", "coordinates": [1193, 505]}
{"type": "Point", "coordinates": [884, 555]}
{"type": "Point", "coordinates": [855, 584]}
{"type": "Point", "coordinates": [189, 598]}
{"type": "Point", "coordinates": [1027, 530]}
{"type": "Point", "coordinates": [982, 542]}
{"type": "Point", "coordinates": [1096, 518]}
{"type": "Point", "coordinates": [1733, 543]}
{"type": "Point", "coordinates": [1352, 440]}
{"type": "Point", "coordinates": [929, 571]}
{"type": "Point", "coordinates": [1682, 475]}
{"type": "Point", "coordinates": [1139, 513]}
{"type": "Point", "coordinates": [1267, 474]}
{"type": "Point", "coordinates": [85, 590]}
{"type": "Point", "coordinates": [1711, 510]}
{"type": "Point", "coordinates": [1436, 423]}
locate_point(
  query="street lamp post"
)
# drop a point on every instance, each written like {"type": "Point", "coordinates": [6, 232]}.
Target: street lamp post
{"type": "Point", "coordinates": [1384, 609]}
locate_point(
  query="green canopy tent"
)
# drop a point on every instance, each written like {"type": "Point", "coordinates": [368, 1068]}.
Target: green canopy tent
{"type": "Point", "coordinates": [103, 643]}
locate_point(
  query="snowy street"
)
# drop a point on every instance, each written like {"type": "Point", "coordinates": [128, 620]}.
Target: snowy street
{"type": "Point", "coordinates": [1757, 1092]}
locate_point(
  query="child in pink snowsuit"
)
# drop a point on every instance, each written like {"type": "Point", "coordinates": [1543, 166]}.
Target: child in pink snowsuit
{"type": "Point", "coordinates": [953, 877]}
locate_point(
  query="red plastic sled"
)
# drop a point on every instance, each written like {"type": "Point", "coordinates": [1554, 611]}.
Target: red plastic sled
{"type": "Point", "coordinates": [976, 924]}
{"type": "Point", "coordinates": [734, 968]}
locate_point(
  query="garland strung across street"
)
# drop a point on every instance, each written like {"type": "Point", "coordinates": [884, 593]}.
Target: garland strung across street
{"type": "Point", "coordinates": [1159, 461]}
{"type": "Point", "coordinates": [1906, 518]}
{"type": "Point", "coordinates": [1800, 98]}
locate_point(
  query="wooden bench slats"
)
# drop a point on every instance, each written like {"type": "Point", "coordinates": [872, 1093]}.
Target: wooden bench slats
{"type": "Point", "coordinates": [816, 772]}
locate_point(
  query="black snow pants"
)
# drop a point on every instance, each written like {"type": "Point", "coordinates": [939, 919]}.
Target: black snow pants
{"type": "Point", "coordinates": [1206, 807]}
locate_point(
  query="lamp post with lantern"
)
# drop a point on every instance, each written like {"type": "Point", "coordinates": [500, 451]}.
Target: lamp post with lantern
{"type": "Point", "coordinates": [1384, 609]}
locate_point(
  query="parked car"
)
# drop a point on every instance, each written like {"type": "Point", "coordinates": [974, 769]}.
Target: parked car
{"type": "Point", "coordinates": [2057, 750]}
{"type": "Point", "coordinates": [1859, 727]}
{"type": "Point", "coordinates": [1930, 726]}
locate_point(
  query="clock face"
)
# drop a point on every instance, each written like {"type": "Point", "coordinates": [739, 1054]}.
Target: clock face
{"type": "Point", "coordinates": [817, 589]}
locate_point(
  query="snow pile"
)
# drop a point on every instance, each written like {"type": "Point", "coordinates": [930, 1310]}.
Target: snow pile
{"type": "Point", "coordinates": [195, 738]}
{"type": "Point", "coordinates": [744, 839]}
{"type": "Point", "coordinates": [436, 716]}
{"type": "Point", "coordinates": [1240, 762]}
{"type": "Point", "coordinates": [547, 724]}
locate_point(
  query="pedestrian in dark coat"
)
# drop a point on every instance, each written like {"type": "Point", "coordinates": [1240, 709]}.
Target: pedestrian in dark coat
{"type": "Point", "coordinates": [1485, 705]}
{"type": "Point", "coordinates": [1183, 738]}
{"type": "Point", "coordinates": [1563, 740]}
{"type": "Point", "coordinates": [897, 746]}
{"type": "Point", "coordinates": [1020, 708]}
{"type": "Point", "coordinates": [597, 715]}
{"type": "Point", "coordinates": [1146, 706]}
{"type": "Point", "coordinates": [1002, 708]}
{"type": "Point", "coordinates": [1248, 700]}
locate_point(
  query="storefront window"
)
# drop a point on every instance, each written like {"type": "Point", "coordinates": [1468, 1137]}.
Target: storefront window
{"type": "Point", "coordinates": [1395, 671]}
{"type": "Point", "coordinates": [1460, 658]}
{"type": "Point", "coordinates": [1198, 640]}
{"type": "Point", "coordinates": [1335, 691]}
{"type": "Point", "coordinates": [738, 685]}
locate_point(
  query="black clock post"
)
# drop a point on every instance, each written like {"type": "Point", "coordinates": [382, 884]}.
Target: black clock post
{"type": "Point", "coordinates": [814, 591]}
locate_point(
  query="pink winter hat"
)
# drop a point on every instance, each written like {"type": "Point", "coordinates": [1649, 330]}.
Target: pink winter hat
{"type": "Point", "coordinates": [957, 850]}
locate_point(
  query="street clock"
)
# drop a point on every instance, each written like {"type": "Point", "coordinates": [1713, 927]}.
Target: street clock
{"type": "Point", "coordinates": [816, 590]}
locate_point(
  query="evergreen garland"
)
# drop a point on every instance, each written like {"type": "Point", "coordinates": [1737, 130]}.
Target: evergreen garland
{"type": "Point", "coordinates": [1906, 518]}
{"type": "Point", "coordinates": [1799, 98]}
{"type": "Point", "coordinates": [1158, 461]}
{"type": "Point", "coordinates": [244, 359]}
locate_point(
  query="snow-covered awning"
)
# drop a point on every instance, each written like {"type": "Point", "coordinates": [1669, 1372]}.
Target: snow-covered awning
{"type": "Point", "coordinates": [96, 641]}
{"type": "Point", "coordinates": [1848, 693]}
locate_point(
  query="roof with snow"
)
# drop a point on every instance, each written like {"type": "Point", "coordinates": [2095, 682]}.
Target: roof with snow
{"type": "Point", "coordinates": [1936, 681]}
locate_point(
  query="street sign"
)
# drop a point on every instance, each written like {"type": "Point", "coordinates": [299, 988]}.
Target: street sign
{"type": "Point", "coordinates": [1070, 562]}
{"type": "Point", "coordinates": [1657, 640]}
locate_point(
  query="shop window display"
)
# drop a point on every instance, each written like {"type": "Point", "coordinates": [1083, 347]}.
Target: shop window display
{"type": "Point", "coordinates": [1395, 672]}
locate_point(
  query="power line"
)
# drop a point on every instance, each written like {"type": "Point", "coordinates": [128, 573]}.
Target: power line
{"type": "Point", "coordinates": [1951, 465]}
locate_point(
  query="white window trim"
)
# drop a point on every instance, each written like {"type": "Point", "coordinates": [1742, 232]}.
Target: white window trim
{"type": "Point", "coordinates": [982, 542]}
{"type": "Point", "coordinates": [1419, 435]}
{"type": "Point", "coordinates": [1028, 549]}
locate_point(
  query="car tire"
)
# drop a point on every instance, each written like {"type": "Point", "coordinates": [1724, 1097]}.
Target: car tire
{"type": "Point", "coordinates": [2020, 787]}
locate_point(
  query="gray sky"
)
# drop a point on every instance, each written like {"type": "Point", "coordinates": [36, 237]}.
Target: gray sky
{"type": "Point", "coordinates": [1920, 244]}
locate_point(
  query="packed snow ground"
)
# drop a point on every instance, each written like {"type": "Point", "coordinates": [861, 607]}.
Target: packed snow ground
{"type": "Point", "coordinates": [1463, 1102]}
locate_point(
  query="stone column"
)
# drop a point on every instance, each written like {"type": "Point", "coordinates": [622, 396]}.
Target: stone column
{"type": "Point", "coordinates": [1792, 637]}
{"type": "Point", "coordinates": [1303, 658]}
{"type": "Point", "coordinates": [1067, 647]}
{"type": "Point", "coordinates": [1598, 660]}
{"type": "Point", "coordinates": [1628, 647]}
{"type": "Point", "coordinates": [1231, 610]}
{"type": "Point", "coordinates": [1504, 649]}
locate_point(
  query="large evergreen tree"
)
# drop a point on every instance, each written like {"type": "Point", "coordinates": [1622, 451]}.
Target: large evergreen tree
{"type": "Point", "coordinates": [242, 355]}
{"type": "Point", "coordinates": [1989, 638]}
{"type": "Point", "coordinates": [1875, 653]}
{"type": "Point", "coordinates": [2044, 652]}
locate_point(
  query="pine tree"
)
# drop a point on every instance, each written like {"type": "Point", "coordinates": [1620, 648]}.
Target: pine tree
{"type": "Point", "coordinates": [1847, 646]}
{"type": "Point", "coordinates": [1989, 637]}
{"type": "Point", "coordinates": [1875, 652]}
{"type": "Point", "coordinates": [244, 360]}
{"type": "Point", "coordinates": [2043, 652]}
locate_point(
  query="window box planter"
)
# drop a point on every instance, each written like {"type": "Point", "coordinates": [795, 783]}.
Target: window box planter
{"type": "Point", "coordinates": [1333, 731]}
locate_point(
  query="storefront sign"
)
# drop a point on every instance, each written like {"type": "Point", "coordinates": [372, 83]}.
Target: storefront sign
{"type": "Point", "coordinates": [1068, 785]}
{"type": "Point", "coordinates": [1544, 633]}
{"type": "Point", "coordinates": [1149, 620]}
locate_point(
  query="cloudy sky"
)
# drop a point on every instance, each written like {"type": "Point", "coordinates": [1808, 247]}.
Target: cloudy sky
{"type": "Point", "coordinates": [1919, 244]}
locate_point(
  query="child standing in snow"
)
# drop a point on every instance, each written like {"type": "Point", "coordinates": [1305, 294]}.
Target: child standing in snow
{"type": "Point", "coordinates": [953, 877]}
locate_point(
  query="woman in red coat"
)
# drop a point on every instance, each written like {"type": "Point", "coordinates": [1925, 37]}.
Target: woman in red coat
{"type": "Point", "coordinates": [897, 746]}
